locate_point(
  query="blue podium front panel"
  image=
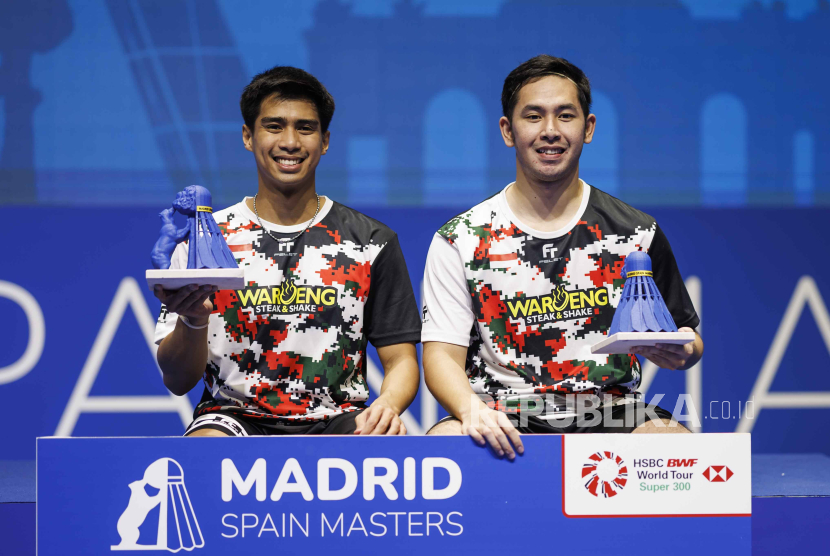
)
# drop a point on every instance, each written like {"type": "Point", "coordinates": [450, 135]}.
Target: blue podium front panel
{"type": "Point", "coordinates": [376, 495]}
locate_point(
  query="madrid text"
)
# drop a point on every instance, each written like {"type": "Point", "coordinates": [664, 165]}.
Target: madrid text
{"type": "Point", "coordinates": [377, 479]}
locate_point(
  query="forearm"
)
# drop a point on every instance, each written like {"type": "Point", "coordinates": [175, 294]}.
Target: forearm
{"type": "Point", "coordinates": [697, 353]}
{"type": "Point", "coordinates": [182, 357]}
{"type": "Point", "coordinates": [401, 376]}
{"type": "Point", "coordinates": [447, 380]}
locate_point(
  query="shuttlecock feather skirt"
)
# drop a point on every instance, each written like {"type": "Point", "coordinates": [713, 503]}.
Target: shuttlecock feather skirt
{"type": "Point", "coordinates": [211, 249]}
{"type": "Point", "coordinates": [641, 307]}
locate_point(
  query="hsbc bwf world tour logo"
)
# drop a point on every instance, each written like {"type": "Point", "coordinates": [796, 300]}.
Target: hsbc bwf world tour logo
{"type": "Point", "coordinates": [161, 492]}
{"type": "Point", "coordinates": [605, 474]}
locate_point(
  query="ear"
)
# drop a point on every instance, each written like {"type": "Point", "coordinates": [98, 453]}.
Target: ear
{"type": "Point", "coordinates": [506, 131]}
{"type": "Point", "coordinates": [326, 137]}
{"type": "Point", "coordinates": [247, 138]}
{"type": "Point", "coordinates": [590, 126]}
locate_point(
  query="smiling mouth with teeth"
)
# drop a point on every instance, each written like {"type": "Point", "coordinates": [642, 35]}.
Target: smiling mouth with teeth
{"type": "Point", "coordinates": [556, 150]}
{"type": "Point", "coordinates": [288, 161]}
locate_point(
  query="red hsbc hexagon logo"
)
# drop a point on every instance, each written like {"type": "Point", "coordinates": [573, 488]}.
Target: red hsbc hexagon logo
{"type": "Point", "coordinates": [718, 473]}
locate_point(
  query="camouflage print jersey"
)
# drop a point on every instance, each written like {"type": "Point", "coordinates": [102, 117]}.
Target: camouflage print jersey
{"type": "Point", "coordinates": [531, 304]}
{"type": "Point", "coordinates": [291, 345]}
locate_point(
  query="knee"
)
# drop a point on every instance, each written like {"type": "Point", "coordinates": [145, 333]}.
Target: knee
{"type": "Point", "coordinates": [207, 432]}
{"type": "Point", "coordinates": [664, 426]}
{"type": "Point", "coordinates": [450, 427]}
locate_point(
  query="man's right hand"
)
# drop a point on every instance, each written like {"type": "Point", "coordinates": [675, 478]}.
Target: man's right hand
{"type": "Point", "coordinates": [190, 301]}
{"type": "Point", "coordinates": [485, 425]}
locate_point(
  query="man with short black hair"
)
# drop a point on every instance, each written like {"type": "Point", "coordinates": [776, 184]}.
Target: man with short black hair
{"type": "Point", "coordinates": [287, 353]}
{"type": "Point", "coordinates": [518, 288]}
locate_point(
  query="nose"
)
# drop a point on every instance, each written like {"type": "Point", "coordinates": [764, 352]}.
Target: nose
{"type": "Point", "coordinates": [550, 131]}
{"type": "Point", "coordinates": [289, 140]}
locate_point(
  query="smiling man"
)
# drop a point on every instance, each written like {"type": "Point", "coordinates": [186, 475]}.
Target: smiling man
{"type": "Point", "coordinates": [287, 354]}
{"type": "Point", "coordinates": [518, 288]}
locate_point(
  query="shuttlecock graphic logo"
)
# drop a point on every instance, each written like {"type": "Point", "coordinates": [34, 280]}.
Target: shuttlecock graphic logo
{"type": "Point", "coordinates": [160, 493]}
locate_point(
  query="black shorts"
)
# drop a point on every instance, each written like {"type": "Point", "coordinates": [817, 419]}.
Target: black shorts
{"type": "Point", "coordinates": [607, 419]}
{"type": "Point", "coordinates": [236, 424]}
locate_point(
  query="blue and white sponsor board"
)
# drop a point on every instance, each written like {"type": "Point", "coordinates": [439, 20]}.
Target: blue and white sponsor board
{"type": "Point", "coordinates": [621, 493]}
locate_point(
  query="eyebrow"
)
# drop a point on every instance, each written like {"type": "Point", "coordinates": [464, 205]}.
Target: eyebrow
{"type": "Point", "coordinates": [536, 107]}
{"type": "Point", "coordinates": [283, 121]}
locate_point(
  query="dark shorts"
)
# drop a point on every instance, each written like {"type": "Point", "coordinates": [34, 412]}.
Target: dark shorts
{"type": "Point", "coordinates": [607, 419]}
{"type": "Point", "coordinates": [235, 424]}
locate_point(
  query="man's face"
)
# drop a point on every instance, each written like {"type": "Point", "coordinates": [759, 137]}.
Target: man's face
{"type": "Point", "coordinates": [548, 129]}
{"type": "Point", "coordinates": [287, 142]}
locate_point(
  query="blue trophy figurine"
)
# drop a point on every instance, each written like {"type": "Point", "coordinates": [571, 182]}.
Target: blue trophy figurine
{"type": "Point", "coordinates": [209, 260]}
{"type": "Point", "coordinates": [641, 318]}
{"type": "Point", "coordinates": [169, 237]}
{"type": "Point", "coordinates": [641, 307]}
{"type": "Point", "coordinates": [211, 250]}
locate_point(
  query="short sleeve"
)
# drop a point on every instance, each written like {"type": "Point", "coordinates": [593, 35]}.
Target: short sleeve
{"type": "Point", "coordinates": [448, 306]}
{"type": "Point", "coordinates": [167, 321]}
{"type": "Point", "coordinates": [670, 282]}
{"type": "Point", "coordinates": [391, 312]}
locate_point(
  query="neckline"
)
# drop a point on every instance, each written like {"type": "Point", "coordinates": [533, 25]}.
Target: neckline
{"type": "Point", "coordinates": [583, 204]}
{"type": "Point", "coordinates": [280, 229]}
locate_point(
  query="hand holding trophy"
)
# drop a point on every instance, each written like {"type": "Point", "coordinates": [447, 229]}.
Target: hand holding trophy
{"type": "Point", "coordinates": [642, 318]}
{"type": "Point", "coordinates": [209, 260]}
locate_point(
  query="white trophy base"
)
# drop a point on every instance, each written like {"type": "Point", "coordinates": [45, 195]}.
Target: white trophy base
{"type": "Point", "coordinates": [622, 342]}
{"type": "Point", "coordinates": [222, 278]}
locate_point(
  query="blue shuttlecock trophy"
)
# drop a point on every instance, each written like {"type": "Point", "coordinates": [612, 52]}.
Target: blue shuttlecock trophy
{"type": "Point", "coordinates": [641, 318]}
{"type": "Point", "coordinates": [209, 260]}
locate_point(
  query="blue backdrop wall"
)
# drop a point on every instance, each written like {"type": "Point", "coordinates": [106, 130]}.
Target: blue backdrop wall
{"type": "Point", "coordinates": [711, 115]}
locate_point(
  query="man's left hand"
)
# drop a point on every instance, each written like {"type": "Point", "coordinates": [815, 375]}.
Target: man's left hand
{"type": "Point", "coordinates": [668, 356]}
{"type": "Point", "coordinates": [379, 418]}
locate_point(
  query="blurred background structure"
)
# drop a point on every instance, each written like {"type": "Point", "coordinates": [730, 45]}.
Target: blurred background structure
{"type": "Point", "coordinates": [712, 115]}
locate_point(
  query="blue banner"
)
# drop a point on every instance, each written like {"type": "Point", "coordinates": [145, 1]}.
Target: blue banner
{"type": "Point", "coordinates": [368, 495]}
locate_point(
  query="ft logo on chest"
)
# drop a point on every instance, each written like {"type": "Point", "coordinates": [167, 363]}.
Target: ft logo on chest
{"type": "Point", "coordinates": [548, 252]}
